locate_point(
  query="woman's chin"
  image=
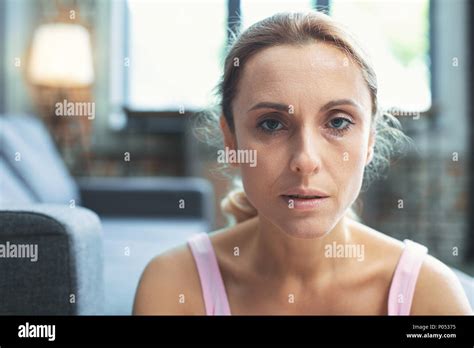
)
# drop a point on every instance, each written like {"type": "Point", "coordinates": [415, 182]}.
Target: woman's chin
{"type": "Point", "coordinates": [303, 226]}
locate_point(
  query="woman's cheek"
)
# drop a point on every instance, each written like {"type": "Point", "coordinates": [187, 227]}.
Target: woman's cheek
{"type": "Point", "coordinates": [258, 181]}
{"type": "Point", "coordinates": [253, 183]}
{"type": "Point", "coordinates": [352, 174]}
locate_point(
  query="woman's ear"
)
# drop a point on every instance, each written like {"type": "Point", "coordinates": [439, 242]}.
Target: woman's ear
{"type": "Point", "coordinates": [229, 137]}
{"type": "Point", "coordinates": [370, 147]}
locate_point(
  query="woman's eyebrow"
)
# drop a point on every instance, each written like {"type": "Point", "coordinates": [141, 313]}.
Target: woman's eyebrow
{"type": "Point", "coordinates": [285, 108]}
{"type": "Point", "coordinates": [337, 102]}
{"type": "Point", "coordinates": [269, 105]}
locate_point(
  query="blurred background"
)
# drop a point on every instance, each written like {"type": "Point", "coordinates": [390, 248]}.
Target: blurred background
{"type": "Point", "coordinates": [97, 100]}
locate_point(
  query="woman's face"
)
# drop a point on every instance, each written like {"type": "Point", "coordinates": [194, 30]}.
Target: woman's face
{"type": "Point", "coordinates": [306, 111]}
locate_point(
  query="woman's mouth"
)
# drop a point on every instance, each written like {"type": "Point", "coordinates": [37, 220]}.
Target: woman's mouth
{"type": "Point", "coordinates": [304, 202]}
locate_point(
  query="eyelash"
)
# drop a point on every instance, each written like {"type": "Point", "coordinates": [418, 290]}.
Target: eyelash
{"type": "Point", "coordinates": [334, 131]}
{"type": "Point", "coordinates": [268, 131]}
{"type": "Point", "coordinates": [341, 131]}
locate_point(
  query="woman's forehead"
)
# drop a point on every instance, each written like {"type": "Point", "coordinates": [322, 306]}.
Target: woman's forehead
{"type": "Point", "coordinates": [316, 55]}
{"type": "Point", "coordinates": [316, 71]}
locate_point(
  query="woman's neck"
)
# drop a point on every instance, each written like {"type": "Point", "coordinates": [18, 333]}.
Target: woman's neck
{"type": "Point", "coordinates": [277, 255]}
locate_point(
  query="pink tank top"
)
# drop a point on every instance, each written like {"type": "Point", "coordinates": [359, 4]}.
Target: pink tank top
{"type": "Point", "coordinates": [215, 296]}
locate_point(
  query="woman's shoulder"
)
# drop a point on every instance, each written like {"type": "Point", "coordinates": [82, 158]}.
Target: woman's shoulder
{"type": "Point", "coordinates": [437, 290]}
{"type": "Point", "coordinates": [169, 284]}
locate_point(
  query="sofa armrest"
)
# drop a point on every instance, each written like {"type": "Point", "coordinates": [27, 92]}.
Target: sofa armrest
{"type": "Point", "coordinates": [152, 197]}
{"type": "Point", "coordinates": [51, 261]}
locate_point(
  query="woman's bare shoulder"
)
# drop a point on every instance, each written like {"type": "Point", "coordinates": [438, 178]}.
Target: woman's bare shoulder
{"type": "Point", "coordinates": [170, 285]}
{"type": "Point", "coordinates": [381, 256]}
{"type": "Point", "coordinates": [437, 291]}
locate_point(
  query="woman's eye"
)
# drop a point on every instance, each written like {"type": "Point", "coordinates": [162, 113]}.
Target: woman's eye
{"type": "Point", "coordinates": [270, 125]}
{"type": "Point", "coordinates": [339, 123]}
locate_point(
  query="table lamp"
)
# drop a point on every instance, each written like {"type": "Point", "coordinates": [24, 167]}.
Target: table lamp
{"type": "Point", "coordinates": [60, 68]}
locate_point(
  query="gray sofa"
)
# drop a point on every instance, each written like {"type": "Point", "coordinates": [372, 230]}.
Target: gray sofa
{"type": "Point", "coordinates": [52, 261]}
{"type": "Point", "coordinates": [123, 222]}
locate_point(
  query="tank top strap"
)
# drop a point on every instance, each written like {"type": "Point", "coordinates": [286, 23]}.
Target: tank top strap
{"type": "Point", "coordinates": [404, 279]}
{"type": "Point", "coordinates": [213, 290]}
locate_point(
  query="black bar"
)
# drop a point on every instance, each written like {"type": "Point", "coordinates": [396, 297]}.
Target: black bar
{"type": "Point", "coordinates": [241, 329]}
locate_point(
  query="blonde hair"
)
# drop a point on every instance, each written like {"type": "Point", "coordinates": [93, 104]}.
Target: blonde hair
{"type": "Point", "coordinates": [295, 28]}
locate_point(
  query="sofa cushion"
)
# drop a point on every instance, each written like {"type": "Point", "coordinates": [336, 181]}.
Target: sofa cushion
{"type": "Point", "coordinates": [28, 149]}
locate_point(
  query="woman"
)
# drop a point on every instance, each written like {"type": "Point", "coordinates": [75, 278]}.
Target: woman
{"type": "Point", "coordinates": [300, 93]}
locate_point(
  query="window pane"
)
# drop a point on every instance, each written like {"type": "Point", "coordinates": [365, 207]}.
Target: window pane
{"type": "Point", "coordinates": [396, 35]}
{"type": "Point", "coordinates": [176, 48]}
{"type": "Point", "coordinates": [256, 10]}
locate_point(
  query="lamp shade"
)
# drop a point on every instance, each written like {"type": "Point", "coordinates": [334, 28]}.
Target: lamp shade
{"type": "Point", "coordinates": [61, 56]}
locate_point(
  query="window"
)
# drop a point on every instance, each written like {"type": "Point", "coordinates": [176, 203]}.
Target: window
{"type": "Point", "coordinates": [176, 48]}
{"type": "Point", "coordinates": [396, 35]}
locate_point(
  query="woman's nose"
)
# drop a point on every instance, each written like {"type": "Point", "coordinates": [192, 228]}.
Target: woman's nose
{"type": "Point", "coordinates": [306, 154]}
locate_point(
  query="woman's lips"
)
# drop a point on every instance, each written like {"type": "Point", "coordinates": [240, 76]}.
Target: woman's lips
{"type": "Point", "coordinates": [304, 203]}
